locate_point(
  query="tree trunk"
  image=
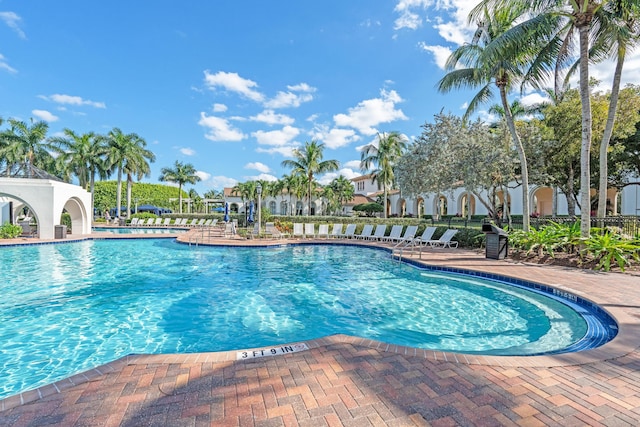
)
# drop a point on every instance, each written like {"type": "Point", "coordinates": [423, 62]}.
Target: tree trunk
{"type": "Point", "coordinates": [385, 200]}
{"type": "Point", "coordinates": [524, 170]}
{"type": "Point", "coordinates": [570, 194]}
{"type": "Point", "coordinates": [180, 198]}
{"type": "Point", "coordinates": [606, 137]}
{"type": "Point", "coordinates": [585, 151]}
{"type": "Point", "coordinates": [119, 192]}
{"type": "Point", "coordinates": [129, 185]}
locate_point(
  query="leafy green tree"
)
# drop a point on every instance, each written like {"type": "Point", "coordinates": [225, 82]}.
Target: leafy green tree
{"type": "Point", "coordinates": [342, 189]}
{"type": "Point", "coordinates": [181, 174]}
{"type": "Point", "coordinates": [26, 144]}
{"type": "Point", "coordinates": [478, 65]}
{"type": "Point", "coordinates": [308, 162]}
{"type": "Point", "coordinates": [383, 155]}
{"type": "Point", "coordinates": [82, 155]}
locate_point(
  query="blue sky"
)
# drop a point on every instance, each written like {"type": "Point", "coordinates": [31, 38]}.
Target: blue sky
{"type": "Point", "coordinates": [234, 87]}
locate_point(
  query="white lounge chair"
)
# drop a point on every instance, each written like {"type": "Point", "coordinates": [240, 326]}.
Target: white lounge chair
{"type": "Point", "coordinates": [425, 237]}
{"type": "Point", "coordinates": [349, 232]}
{"type": "Point", "coordinates": [336, 231]}
{"type": "Point", "coordinates": [158, 221]}
{"type": "Point", "coordinates": [207, 223]}
{"type": "Point", "coordinates": [365, 233]}
{"type": "Point", "coordinates": [193, 222]}
{"type": "Point", "coordinates": [445, 240]}
{"type": "Point", "coordinates": [270, 229]}
{"type": "Point", "coordinates": [134, 222]}
{"type": "Point", "coordinates": [149, 222]}
{"type": "Point", "coordinates": [166, 222]}
{"type": "Point", "coordinates": [309, 229]}
{"type": "Point", "coordinates": [409, 234]}
{"type": "Point", "coordinates": [229, 229]}
{"type": "Point", "coordinates": [298, 229]}
{"type": "Point", "coordinates": [394, 234]}
{"type": "Point", "coordinates": [378, 234]}
{"type": "Point", "coordinates": [323, 230]}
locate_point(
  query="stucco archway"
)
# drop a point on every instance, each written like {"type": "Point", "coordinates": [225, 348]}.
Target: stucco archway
{"type": "Point", "coordinates": [47, 199]}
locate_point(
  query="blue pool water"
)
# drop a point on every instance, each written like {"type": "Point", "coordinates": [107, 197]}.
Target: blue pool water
{"type": "Point", "coordinates": [68, 307]}
{"type": "Point", "coordinates": [138, 230]}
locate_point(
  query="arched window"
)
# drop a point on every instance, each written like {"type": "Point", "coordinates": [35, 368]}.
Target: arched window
{"type": "Point", "coordinates": [272, 206]}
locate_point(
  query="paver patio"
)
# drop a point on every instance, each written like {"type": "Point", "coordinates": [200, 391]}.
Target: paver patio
{"type": "Point", "coordinates": [342, 380]}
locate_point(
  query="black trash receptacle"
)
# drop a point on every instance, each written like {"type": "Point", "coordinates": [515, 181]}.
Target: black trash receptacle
{"type": "Point", "coordinates": [60, 232]}
{"type": "Point", "coordinates": [497, 241]}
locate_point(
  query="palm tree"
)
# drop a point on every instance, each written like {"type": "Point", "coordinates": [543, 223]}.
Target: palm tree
{"type": "Point", "coordinates": [477, 65]}
{"type": "Point", "coordinates": [383, 154]}
{"type": "Point", "coordinates": [181, 173]}
{"type": "Point", "coordinates": [24, 143]}
{"type": "Point", "coordinates": [308, 163]}
{"type": "Point", "coordinates": [128, 155]}
{"type": "Point", "coordinates": [342, 189]}
{"type": "Point", "coordinates": [82, 155]}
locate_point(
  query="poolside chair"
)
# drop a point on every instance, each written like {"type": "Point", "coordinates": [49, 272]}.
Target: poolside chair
{"type": "Point", "coordinates": [254, 232]}
{"type": "Point", "coordinates": [270, 229]}
{"type": "Point", "coordinates": [409, 234]}
{"type": "Point", "coordinates": [148, 223]}
{"type": "Point", "coordinates": [336, 231]}
{"type": "Point", "coordinates": [229, 229]}
{"type": "Point", "coordinates": [193, 222]}
{"type": "Point", "coordinates": [166, 222]}
{"type": "Point", "coordinates": [445, 240]}
{"type": "Point", "coordinates": [378, 234]}
{"type": "Point", "coordinates": [425, 237]}
{"type": "Point", "coordinates": [395, 234]}
{"type": "Point", "coordinates": [309, 229]}
{"type": "Point", "coordinates": [323, 230]}
{"type": "Point", "coordinates": [207, 223]}
{"type": "Point", "coordinates": [298, 229]}
{"type": "Point", "coordinates": [200, 222]}
{"type": "Point", "coordinates": [134, 222]}
{"type": "Point", "coordinates": [365, 233]}
{"type": "Point", "coordinates": [183, 222]}
{"type": "Point", "coordinates": [349, 232]}
{"type": "Point", "coordinates": [158, 221]}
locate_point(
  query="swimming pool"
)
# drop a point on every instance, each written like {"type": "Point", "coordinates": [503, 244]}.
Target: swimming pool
{"type": "Point", "coordinates": [138, 230]}
{"type": "Point", "coordinates": [69, 307]}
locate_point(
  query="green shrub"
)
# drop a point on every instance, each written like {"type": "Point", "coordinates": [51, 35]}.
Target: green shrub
{"type": "Point", "coordinates": [610, 248]}
{"type": "Point", "coordinates": [10, 231]}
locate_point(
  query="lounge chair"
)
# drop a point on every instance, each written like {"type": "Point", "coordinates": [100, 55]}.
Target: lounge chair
{"type": "Point", "coordinates": [183, 222]}
{"type": "Point", "coordinates": [309, 229]}
{"type": "Point", "coordinates": [166, 222]}
{"type": "Point", "coordinates": [229, 229]}
{"type": "Point", "coordinates": [193, 222]}
{"type": "Point", "coordinates": [207, 223]}
{"type": "Point", "coordinates": [365, 233]}
{"type": "Point", "coordinates": [148, 223]}
{"type": "Point", "coordinates": [395, 234]}
{"type": "Point", "coordinates": [336, 231]}
{"type": "Point", "coordinates": [134, 222]}
{"type": "Point", "coordinates": [298, 229]}
{"type": "Point", "coordinates": [425, 237]}
{"type": "Point", "coordinates": [323, 230]}
{"type": "Point", "coordinates": [158, 221]}
{"type": "Point", "coordinates": [409, 234]}
{"type": "Point", "coordinates": [255, 231]}
{"type": "Point", "coordinates": [270, 229]}
{"type": "Point", "coordinates": [349, 232]}
{"type": "Point", "coordinates": [445, 240]}
{"type": "Point", "coordinates": [378, 234]}
{"type": "Point", "coordinates": [200, 222]}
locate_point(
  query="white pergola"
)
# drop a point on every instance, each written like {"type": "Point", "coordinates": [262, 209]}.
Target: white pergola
{"type": "Point", "coordinates": [46, 199]}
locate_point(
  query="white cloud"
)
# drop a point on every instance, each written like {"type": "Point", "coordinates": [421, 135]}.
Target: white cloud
{"type": "Point", "coordinates": [285, 150]}
{"type": "Point", "coordinates": [346, 172]}
{"type": "Point", "coordinates": [352, 164]}
{"type": "Point", "coordinates": [301, 87]}
{"type": "Point", "coordinates": [276, 138]}
{"type": "Point", "coordinates": [232, 82]}
{"type": "Point", "coordinates": [13, 21]}
{"type": "Point", "coordinates": [464, 105]}
{"type": "Point", "coordinates": [44, 115]}
{"type": "Point", "coordinates": [219, 108]}
{"type": "Point", "coordinates": [219, 129]}
{"type": "Point", "coordinates": [409, 19]}
{"type": "Point", "coordinates": [288, 99]}
{"type": "Point", "coordinates": [440, 54]}
{"type": "Point", "coordinates": [220, 182]}
{"type": "Point", "coordinates": [72, 100]}
{"type": "Point", "coordinates": [271, 118]}
{"type": "Point", "coordinates": [533, 99]}
{"type": "Point", "coordinates": [5, 66]}
{"type": "Point", "coordinates": [371, 112]}
{"type": "Point", "coordinates": [260, 167]}
{"type": "Point", "coordinates": [336, 137]}
{"type": "Point", "coordinates": [604, 72]}
{"type": "Point", "coordinates": [204, 176]}
{"type": "Point", "coordinates": [262, 177]}
{"type": "Point", "coordinates": [188, 151]}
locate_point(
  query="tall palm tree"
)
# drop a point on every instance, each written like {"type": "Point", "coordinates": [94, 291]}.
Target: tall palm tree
{"type": "Point", "coordinates": [343, 189]}
{"type": "Point", "coordinates": [26, 144]}
{"type": "Point", "coordinates": [128, 155]}
{"type": "Point", "coordinates": [477, 65]}
{"type": "Point", "coordinates": [181, 173]}
{"type": "Point", "coordinates": [308, 163]}
{"type": "Point", "coordinates": [383, 154]}
{"type": "Point", "coordinates": [82, 155]}
{"type": "Point", "coordinates": [620, 33]}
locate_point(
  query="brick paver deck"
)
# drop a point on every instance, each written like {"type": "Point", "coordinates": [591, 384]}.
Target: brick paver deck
{"type": "Point", "coordinates": [350, 381]}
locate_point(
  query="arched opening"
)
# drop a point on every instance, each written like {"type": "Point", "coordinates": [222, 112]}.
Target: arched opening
{"type": "Point", "coordinates": [272, 206]}
{"type": "Point", "coordinates": [440, 206]}
{"type": "Point", "coordinates": [299, 208]}
{"type": "Point", "coordinates": [542, 202]}
{"type": "Point", "coordinates": [419, 207]}
{"type": "Point", "coordinates": [499, 203]}
{"type": "Point", "coordinates": [467, 205]}
{"type": "Point", "coordinates": [401, 207]}
{"type": "Point", "coordinates": [19, 212]}
{"type": "Point", "coordinates": [79, 215]}
{"type": "Point", "coordinates": [284, 208]}
{"type": "Point", "coordinates": [234, 208]}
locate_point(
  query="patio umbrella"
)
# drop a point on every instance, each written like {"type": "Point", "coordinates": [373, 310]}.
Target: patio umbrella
{"type": "Point", "coordinates": [226, 212]}
{"type": "Point", "coordinates": [250, 220]}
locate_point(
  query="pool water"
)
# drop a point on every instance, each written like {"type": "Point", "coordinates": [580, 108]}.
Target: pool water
{"type": "Point", "coordinates": [69, 307]}
{"type": "Point", "coordinates": [138, 230]}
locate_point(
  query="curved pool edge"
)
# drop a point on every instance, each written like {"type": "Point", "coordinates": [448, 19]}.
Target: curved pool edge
{"type": "Point", "coordinates": [621, 310]}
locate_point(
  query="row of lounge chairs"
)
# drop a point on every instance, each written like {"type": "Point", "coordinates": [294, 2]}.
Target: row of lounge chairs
{"type": "Point", "coordinates": [166, 222]}
{"type": "Point", "coordinates": [395, 236]}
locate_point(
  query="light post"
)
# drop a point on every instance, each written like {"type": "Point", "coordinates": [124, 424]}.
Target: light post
{"type": "Point", "coordinates": [259, 191]}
